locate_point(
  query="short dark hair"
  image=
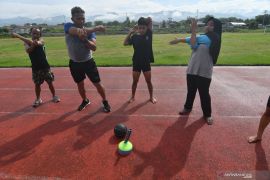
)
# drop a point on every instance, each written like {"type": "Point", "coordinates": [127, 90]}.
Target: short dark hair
{"type": "Point", "coordinates": [76, 10]}
{"type": "Point", "coordinates": [210, 18]}
{"type": "Point", "coordinates": [142, 21]}
{"type": "Point", "coordinates": [38, 28]}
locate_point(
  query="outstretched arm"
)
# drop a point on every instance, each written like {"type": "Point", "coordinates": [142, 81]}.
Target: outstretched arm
{"type": "Point", "coordinates": [192, 40]}
{"type": "Point", "coordinates": [177, 40]}
{"type": "Point", "coordinates": [130, 33]}
{"type": "Point", "coordinates": [27, 41]}
{"type": "Point", "coordinates": [82, 33]}
{"type": "Point", "coordinates": [99, 28]}
{"type": "Point", "coordinates": [31, 44]}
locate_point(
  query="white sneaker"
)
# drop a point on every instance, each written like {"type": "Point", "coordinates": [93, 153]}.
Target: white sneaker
{"type": "Point", "coordinates": [37, 102]}
{"type": "Point", "coordinates": [56, 99]}
{"type": "Point", "coordinates": [209, 120]}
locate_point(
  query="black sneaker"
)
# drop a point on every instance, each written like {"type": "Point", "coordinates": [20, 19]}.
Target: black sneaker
{"type": "Point", "coordinates": [106, 106]}
{"type": "Point", "coordinates": [84, 103]}
{"type": "Point", "coordinates": [185, 111]}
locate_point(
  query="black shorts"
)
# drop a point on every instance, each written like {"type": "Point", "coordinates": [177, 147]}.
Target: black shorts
{"type": "Point", "coordinates": [268, 103]}
{"type": "Point", "coordinates": [141, 67]}
{"type": "Point", "coordinates": [79, 70]}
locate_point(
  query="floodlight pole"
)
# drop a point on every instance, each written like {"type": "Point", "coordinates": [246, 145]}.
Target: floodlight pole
{"type": "Point", "coordinates": [265, 12]}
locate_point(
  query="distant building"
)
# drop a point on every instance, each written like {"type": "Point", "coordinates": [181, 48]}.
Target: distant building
{"type": "Point", "coordinates": [21, 30]}
{"type": "Point", "coordinates": [25, 29]}
{"type": "Point", "coordinates": [156, 25]}
{"type": "Point", "coordinates": [200, 24]}
{"type": "Point", "coordinates": [263, 26]}
{"type": "Point", "coordinates": [237, 24]}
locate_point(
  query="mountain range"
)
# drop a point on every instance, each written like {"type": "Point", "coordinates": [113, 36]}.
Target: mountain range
{"type": "Point", "coordinates": [112, 16]}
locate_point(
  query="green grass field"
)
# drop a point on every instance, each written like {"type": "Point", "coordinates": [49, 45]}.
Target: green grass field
{"type": "Point", "coordinates": [237, 49]}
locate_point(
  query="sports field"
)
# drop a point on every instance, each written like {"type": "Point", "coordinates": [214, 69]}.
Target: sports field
{"type": "Point", "coordinates": [237, 49]}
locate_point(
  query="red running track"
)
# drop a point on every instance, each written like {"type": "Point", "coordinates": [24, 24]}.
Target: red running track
{"type": "Point", "coordinates": [56, 141]}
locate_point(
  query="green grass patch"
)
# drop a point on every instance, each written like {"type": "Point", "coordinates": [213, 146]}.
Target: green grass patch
{"type": "Point", "coordinates": [237, 49]}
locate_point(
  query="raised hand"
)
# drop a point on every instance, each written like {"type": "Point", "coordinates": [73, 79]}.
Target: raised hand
{"type": "Point", "coordinates": [193, 25]}
{"type": "Point", "coordinates": [149, 23]}
{"type": "Point", "coordinates": [149, 20]}
{"type": "Point", "coordinates": [134, 29]}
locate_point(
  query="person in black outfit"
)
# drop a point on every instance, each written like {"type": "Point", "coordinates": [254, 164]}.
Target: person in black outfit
{"type": "Point", "coordinates": [40, 67]}
{"type": "Point", "coordinates": [141, 39]}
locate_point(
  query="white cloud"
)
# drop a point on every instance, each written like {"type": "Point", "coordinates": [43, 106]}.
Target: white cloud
{"type": "Point", "coordinates": [241, 7]}
{"type": "Point", "coordinates": [10, 10]}
{"type": "Point", "coordinates": [45, 9]}
{"type": "Point", "coordinates": [176, 14]}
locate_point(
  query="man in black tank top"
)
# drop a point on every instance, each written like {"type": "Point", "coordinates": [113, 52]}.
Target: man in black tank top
{"type": "Point", "coordinates": [40, 67]}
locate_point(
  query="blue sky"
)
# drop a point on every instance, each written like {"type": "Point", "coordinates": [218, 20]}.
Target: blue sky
{"type": "Point", "coordinates": [50, 8]}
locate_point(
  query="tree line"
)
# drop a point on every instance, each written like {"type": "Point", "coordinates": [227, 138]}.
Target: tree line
{"type": "Point", "coordinates": [166, 26]}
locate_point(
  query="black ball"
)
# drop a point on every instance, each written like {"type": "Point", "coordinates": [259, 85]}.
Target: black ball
{"type": "Point", "coordinates": [120, 131]}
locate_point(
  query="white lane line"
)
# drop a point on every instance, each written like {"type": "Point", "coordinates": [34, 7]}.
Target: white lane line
{"type": "Point", "coordinates": [131, 115]}
{"type": "Point", "coordinates": [74, 89]}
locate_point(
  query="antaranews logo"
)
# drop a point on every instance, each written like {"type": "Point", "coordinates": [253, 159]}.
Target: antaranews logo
{"type": "Point", "coordinates": [241, 175]}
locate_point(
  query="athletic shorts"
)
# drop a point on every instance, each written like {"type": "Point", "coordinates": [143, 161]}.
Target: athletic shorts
{"type": "Point", "coordinates": [141, 67]}
{"type": "Point", "coordinates": [81, 69]}
{"type": "Point", "coordinates": [39, 76]}
{"type": "Point", "coordinates": [268, 103]}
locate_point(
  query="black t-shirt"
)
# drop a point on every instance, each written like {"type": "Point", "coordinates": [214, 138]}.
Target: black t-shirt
{"type": "Point", "coordinates": [38, 58]}
{"type": "Point", "coordinates": [142, 44]}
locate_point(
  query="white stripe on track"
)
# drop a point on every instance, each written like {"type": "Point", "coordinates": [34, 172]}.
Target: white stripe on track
{"type": "Point", "coordinates": [132, 115]}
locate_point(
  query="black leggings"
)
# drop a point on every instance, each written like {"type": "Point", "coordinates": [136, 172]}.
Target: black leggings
{"type": "Point", "coordinates": [268, 103]}
{"type": "Point", "coordinates": [201, 84]}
